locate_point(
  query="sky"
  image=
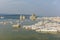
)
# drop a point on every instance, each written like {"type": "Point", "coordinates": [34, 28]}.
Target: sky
{"type": "Point", "coordinates": [39, 7]}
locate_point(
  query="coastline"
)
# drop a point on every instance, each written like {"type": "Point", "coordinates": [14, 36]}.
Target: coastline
{"type": "Point", "coordinates": [46, 26]}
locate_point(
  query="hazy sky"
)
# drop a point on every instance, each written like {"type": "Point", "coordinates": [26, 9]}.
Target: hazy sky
{"type": "Point", "coordinates": [39, 7]}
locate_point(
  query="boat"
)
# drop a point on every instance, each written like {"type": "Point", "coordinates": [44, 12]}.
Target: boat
{"type": "Point", "coordinates": [22, 18]}
{"type": "Point", "coordinates": [33, 17]}
{"type": "Point", "coordinates": [16, 25]}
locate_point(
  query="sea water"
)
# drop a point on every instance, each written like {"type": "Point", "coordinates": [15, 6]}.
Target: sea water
{"type": "Point", "coordinates": [7, 32]}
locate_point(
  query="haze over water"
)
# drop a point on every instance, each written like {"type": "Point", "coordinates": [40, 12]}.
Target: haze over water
{"type": "Point", "coordinates": [7, 32]}
{"type": "Point", "coordinates": [9, 10]}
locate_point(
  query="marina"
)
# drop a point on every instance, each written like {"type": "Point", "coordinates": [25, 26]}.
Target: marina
{"type": "Point", "coordinates": [29, 19]}
{"type": "Point", "coordinates": [28, 29]}
{"type": "Point", "coordinates": [43, 24]}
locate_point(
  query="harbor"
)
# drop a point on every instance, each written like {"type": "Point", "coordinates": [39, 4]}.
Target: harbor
{"type": "Point", "coordinates": [29, 19]}
{"type": "Point", "coordinates": [36, 29]}
{"type": "Point", "coordinates": [38, 24]}
{"type": "Point", "coordinates": [45, 24]}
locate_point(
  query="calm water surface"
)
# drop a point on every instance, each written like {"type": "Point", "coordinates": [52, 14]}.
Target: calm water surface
{"type": "Point", "coordinates": [7, 32]}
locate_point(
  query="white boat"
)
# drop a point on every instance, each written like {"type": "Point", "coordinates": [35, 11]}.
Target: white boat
{"type": "Point", "coordinates": [33, 17]}
{"type": "Point", "coordinates": [16, 26]}
{"type": "Point", "coordinates": [22, 18]}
